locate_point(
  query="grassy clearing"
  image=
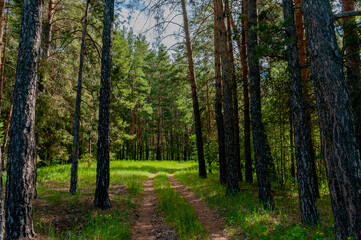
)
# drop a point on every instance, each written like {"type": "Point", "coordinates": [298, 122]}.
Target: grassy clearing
{"type": "Point", "coordinates": [58, 215]}
{"type": "Point", "coordinates": [248, 220]}
{"type": "Point", "coordinates": [177, 211]}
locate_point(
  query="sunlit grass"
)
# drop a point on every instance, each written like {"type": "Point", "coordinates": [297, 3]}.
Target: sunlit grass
{"type": "Point", "coordinates": [59, 215]}
{"type": "Point", "coordinates": [246, 219]}
{"type": "Point", "coordinates": [177, 211]}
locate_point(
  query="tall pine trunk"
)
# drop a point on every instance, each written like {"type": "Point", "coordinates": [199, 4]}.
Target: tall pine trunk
{"type": "Point", "coordinates": [351, 41]}
{"type": "Point", "coordinates": [218, 103]}
{"type": "Point", "coordinates": [261, 149]}
{"type": "Point", "coordinates": [75, 155]}
{"type": "Point", "coordinates": [339, 144]}
{"type": "Point", "coordinates": [20, 176]}
{"type": "Point", "coordinates": [102, 180]}
{"type": "Point", "coordinates": [192, 78]}
{"type": "Point", "coordinates": [231, 159]}
{"type": "Point", "coordinates": [307, 195]}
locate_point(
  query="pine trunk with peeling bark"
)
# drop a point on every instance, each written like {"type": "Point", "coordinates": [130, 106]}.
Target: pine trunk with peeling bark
{"type": "Point", "coordinates": [304, 159]}
{"type": "Point", "coordinates": [218, 102]}
{"type": "Point", "coordinates": [102, 180]}
{"type": "Point", "coordinates": [261, 149]}
{"type": "Point", "coordinates": [351, 41]}
{"type": "Point", "coordinates": [231, 159]}
{"type": "Point", "coordinates": [75, 154]}
{"type": "Point", "coordinates": [192, 78]}
{"type": "Point", "coordinates": [20, 175]}
{"type": "Point", "coordinates": [339, 144]}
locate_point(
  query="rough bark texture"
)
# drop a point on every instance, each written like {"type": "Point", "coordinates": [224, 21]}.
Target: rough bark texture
{"type": "Point", "coordinates": [102, 182]}
{"type": "Point", "coordinates": [231, 164]}
{"type": "Point", "coordinates": [339, 144]}
{"type": "Point", "coordinates": [20, 176]}
{"type": "Point", "coordinates": [307, 196]}
{"type": "Point", "coordinates": [261, 151]}
{"type": "Point", "coordinates": [351, 48]}
{"type": "Point", "coordinates": [75, 155]}
{"type": "Point", "coordinates": [301, 42]}
{"type": "Point", "coordinates": [237, 146]}
{"type": "Point", "coordinates": [192, 78]}
{"type": "Point", "coordinates": [218, 103]}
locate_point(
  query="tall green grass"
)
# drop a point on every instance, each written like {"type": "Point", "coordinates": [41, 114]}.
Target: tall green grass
{"type": "Point", "coordinates": [177, 211]}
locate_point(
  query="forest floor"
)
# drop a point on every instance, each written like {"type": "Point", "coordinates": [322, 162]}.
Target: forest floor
{"type": "Point", "coordinates": [150, 202]}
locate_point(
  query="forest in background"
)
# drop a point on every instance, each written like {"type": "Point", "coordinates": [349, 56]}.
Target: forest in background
{"type": "Point", "coordinates": [242, 55]}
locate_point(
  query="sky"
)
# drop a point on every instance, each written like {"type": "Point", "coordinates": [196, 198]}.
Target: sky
{"type": "Point", "coordinates": [144, 24]}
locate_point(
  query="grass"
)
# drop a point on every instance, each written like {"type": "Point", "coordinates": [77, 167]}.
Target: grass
{"type": "Point", "coordinates": [177, 211]}
{"type": "Point", "coordinates": [246, 219]}
{"type": "Point", "coordinates": [58, 215]}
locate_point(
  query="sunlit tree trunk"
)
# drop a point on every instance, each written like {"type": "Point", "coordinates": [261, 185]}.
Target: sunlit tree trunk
{"type": "Point", "coordinates": [75, 155]}
{"type": "Point", "coordinates": [339, 144]}
{"type": "Point", "coordinates": [102, 180]}
{"type": "Point", "coordinates": [20, 175]}
{"type": "Point", "coordinates": [192, 77]}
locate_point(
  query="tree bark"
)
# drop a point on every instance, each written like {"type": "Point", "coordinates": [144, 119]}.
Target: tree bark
{"type": "Point", "coordinates": [304, 159]}
{"type": "Point", "coordinates": [351, 41]}
{"type": "Point", "coordinates": [261, 149]}
{"type": "Point", "coordinates": [192, 78]}
{"type": "Point", "coordinates": [75, 155]}
{"type": "Point", "coordinates": [218, 103]}
{"type": "Point", "coordinates": [102, 181]}
{"type": "Point", "coordinates": [339, 144]}
{"type": "Point", "coordinates": [20, 176]}
{"type": "Point", "coordinates": [231, 159]}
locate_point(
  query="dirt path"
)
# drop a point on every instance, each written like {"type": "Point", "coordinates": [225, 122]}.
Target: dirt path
{"type": "Point", "coordinates": [149, 225]}
{"type": "Point", "coordinates": [210, 220]}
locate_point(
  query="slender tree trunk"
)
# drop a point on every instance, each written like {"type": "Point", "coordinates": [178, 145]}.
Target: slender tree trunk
{"type": "Point", "coordinates": [102, 182]}
{"type": "Point", "coordinates": [218, 102]}
{"type": "Point", "coordinates": [75, 156]}
{"type": "Point", "coordinates": [192, 78]}
{"type": "Point", "coordinates": [20, 176]}
{"type": "Point", "coordinates": [339, 144]}
{"type": "Point", "coordinates": [351, 41]}
{"type": "Point", "coordinates": [231, 159]}
{"type": "Point", "coordinates": [261, 150]}
{"type": "Point", "coordinates": [242, 46]}
{"type": "Point", "coordinates": [237, 145]}
{"type": "Point", "coordinates": [292, 146]}
{"type": "Point", "coordinates": [304, 159]}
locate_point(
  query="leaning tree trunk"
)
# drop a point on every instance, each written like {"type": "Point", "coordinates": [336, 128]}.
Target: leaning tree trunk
{"type": "Point", "coordinates": [307, 195]}
{"type": "Point", "coordinates": [231, 164]}
{"type": "Point", "coordinates": [102, 182]}
{"type": "Point", "coordinates": [218, 104]}
{"type": "Point", "coordinates": [75, 155]}
{"type": "Point", "coordinates": [261, 150]}
{"type": "Point", "coordinates": [339, 144]}
{"type": "Point", "coordinates": [351, 41]}
{"type": "Point", "coordinates": [192, 78]}
{"type": "Point", "coordinates": [20, 175]}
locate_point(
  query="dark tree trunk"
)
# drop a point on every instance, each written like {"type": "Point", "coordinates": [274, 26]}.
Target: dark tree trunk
{"type": "Point", "coordinates": [351, 48]}
{"type": "Point", "coordinates": [20, 176]}
{"type": "Point", "coordinates": [192, 78]}
{"type": "Point", "coordinates": [102, 181]}
{"type": "Point", "coordinates": [237, 146]}
{"type": "Point", "coordinates": [292, 146]}
{"type": "Point", "coordinates": [75, 156]}
{"type": "Point", "coordinates": [218, 103]}
{"type": "Point", "coordinates": [231, 159]}
{"type": "Point", "coordinates": [242, 46]}
{"type": "Point", "coordinates": [339, 144]}
{"type": "Point", "coordinates": [261, 150]}
{"type": "Point", "coordinates": [304, 159]}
